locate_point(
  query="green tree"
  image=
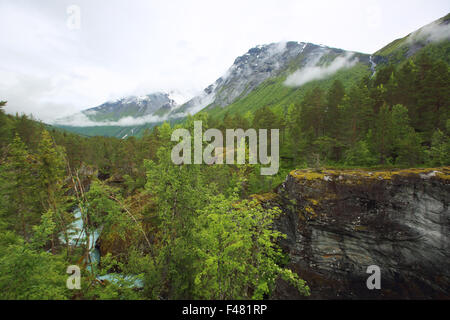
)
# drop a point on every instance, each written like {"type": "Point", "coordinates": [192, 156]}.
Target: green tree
{"type": "Point", "coordinates": [51, 170]}
{"type": "Point", "coordinates": [440, 149]}
{"type": "Point", "coordinates": [381, 139]}
{"type": "Point", "coordinates": [433, 97]}
{"type": "Point", "coordinates": [359, 155]}
{"type": "Point", "coordinates": [178, 191]}
{"type": "Point", "coordinates": [29, 274]}
{"type": "Point", "coordinates": [335, 97]}
{"type": "Point", "coordinates": [19, 189]}
{"type": "Point", "coordinates": [407, 146]}
{"type": "Point", "coordinates": [4, 127]}
{"type": "Point", "coordinates": [358, 115]}
{"type": "Point", "coordinates": [237, 256]}
{"type": "Point", "coordinates": [313, 113]}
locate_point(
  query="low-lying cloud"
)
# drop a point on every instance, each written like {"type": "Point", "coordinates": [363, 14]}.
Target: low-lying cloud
{"type": "Point", "coordinates": [434, 32]}
{"type": "Point", "coordinates": [81, 120]}
{"type": "Point", "coordinates": [315, 72]}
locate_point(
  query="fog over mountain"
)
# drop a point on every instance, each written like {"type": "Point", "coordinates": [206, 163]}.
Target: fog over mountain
{"type": "Point", "coordinates": [246, 73]}
{"type": "Point", "coordinates": [314, 72]}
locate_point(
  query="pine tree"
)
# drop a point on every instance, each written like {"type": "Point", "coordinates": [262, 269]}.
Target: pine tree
{"type": "Point", "coordinates": [358, 115]}
{"type": "Point", "coordinates": [381, 139]}
{"type": "Point", "coordinates": [265, 119]}
{"type": "Point", "coordinates": [406, 142]}
{"type": "Point", "coordinates": [440, 149]}
{"type": "Point", "coordinates": [335, 98]}
{"type": "Point", "coordinates": [406, 93]}
{"type": "Point", "coordinates": [19, 188]}
{"type": "Point", "coordinates": [4, 127]}
{"type": "Point", "coordinates": [313, 113]}
{"type": "Point", "coordinates": [51, 170]}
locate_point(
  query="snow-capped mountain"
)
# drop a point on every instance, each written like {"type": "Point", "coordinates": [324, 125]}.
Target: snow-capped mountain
{"type": "Point", "coordinates": [257, 65]}
{"type": "Point", "coordinates": [247, 73]}
{"type": "Point", "coordinates": [265, 75]}
{"type": "Point", "coordinates": [134, 106]}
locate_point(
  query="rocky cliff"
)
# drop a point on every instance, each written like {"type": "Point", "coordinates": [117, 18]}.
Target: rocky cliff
{"type": "Point", "coordinates": [340, 222]}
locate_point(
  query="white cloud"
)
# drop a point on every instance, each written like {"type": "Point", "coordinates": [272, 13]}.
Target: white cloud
{"type": "Point", "coordinates": [314, 72]}
{"type": "Point", "coordinates": [433, 32]}
{"type": "Point", "coordinates": [81, 120]}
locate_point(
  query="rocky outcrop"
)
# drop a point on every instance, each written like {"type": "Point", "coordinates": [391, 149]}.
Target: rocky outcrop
{"type": "Point", "coordinates": [340, 222]}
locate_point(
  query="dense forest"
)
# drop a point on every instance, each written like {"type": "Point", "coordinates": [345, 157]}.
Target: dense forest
{"type": "Point", "coordinates": [197, 231]}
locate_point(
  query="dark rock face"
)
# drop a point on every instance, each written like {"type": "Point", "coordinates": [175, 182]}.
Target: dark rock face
{"type": "Point", "coordinates": [340, 222]}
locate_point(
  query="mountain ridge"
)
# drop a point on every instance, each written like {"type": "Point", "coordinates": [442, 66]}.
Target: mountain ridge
{"type": "Point", "coordinates": [259, 77]}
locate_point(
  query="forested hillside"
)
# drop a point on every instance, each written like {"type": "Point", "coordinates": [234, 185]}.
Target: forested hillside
{"type": "Point", "coordinates": [167, 231]}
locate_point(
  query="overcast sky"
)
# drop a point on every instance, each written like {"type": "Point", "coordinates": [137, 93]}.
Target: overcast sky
{"type": "Point", "coordinates": [51, 66]}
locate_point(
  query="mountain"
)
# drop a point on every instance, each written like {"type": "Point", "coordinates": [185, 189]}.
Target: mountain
{"type": "Point", "coordinates": [121, 117]}
{"type": "Point", "coordinates": [131, 115]}
{"type": "Point", "coordinates": [435, 35]}
{"type": "Point", "coordinates": [434, 39]}
{"type": "Point", "coordinates": [128, 108]}
{"type": "Point", "coordinates": [275, 75]}
{"type": "Point", "coordinates": [152, 104]}
{"type": "Point", "coordinates": [297, 68]}
{"type": "Point", "coordinates": [260, 64]}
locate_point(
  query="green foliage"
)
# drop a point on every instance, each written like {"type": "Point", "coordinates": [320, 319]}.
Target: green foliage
{"type": "Point", "coordinates": [406, 142]}
{"type": "Point", "coordinates": [19, 189]}
{"type": "Point", "coordinates": [101, 208]}
{"type": "Point", "coordinates": [275, 94]}
{"type": "Point", "coordinates": [236, 254]}
{"type": "Point", "coordinates": [5, 129]}
{"type": "Point", "coordinates": [28, 274]}
{"type": "Point", "coordinates": [44, 230]}
{"type": "Point", "coordinates": [115, 286]}
{"type": "Point", "coordinates": [178, 190]}
{"type": "Point", "coordinates": [359, 155]}
{"type": "Point", "coordinates": [200, 251]}
{"type": "Point", "coordinates": [440, 149]}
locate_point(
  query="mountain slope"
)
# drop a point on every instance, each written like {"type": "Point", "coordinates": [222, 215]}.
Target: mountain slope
{"type": "Point", "coordinates": [125, 110]}
{"type": "Point", "coordinates": [262, 64]}
{"type": "Point", "coordinates": [435, 35]}
{"type": "Point", "coordinates": [273, 92]}
{"type": "Point", "coordinates": [152, 104]}
{"type": "Point", "coordinates": [120, 118]}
